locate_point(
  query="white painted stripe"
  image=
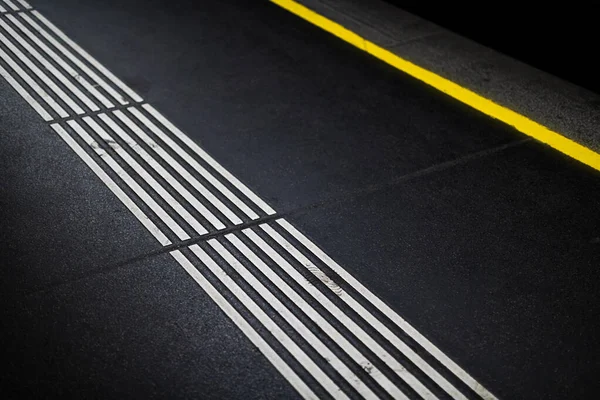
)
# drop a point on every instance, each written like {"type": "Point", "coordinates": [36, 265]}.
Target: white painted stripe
{"type": "Point", "coordinates": [32, 102]}
{"type": "Point", "coordinates": [41, 75]}
{"type": "Point", "coordinates": [206, 213]}
{"type": "Point", "coordinates": [25, 4]}
{"type": "Point", "coordinates": [352, 326]}
{"type": "Point", "coordinates": [210, 161]}
{"type": "Point", "coordinates": [294, 322]}
{"type": "Point", "coordinates": [146, 177]}
{"type": "Point", "coordinates": [245, 327]}
{"type": "Point", "coordinates": [331, 331]}
{"type": "Point", "coordinates": [89, 59]}
{"type": "Point", "coordinates": [33, 85]}
{"type": "Point", "coordinates": [2, 9]}
{"type": "Point", "coordinates": [129, 181]}
{"type": "Point", "coordinates": [57, 59]}
{"type": "Point", "coordinates": [183, 172]}
{"type": "Point", "coordinates": [268, 323]}
{"type": "Point", "coordinates": [135, 210]}
{"type": "Point", "coordinates": [95, 77]}
{"type": "Point", "coordinates": [12, 5]}
{"type": "Point", "coordinates": [48, 66]}
{"type": "Point", "coordinates": [380, 327]}
{"type": "Point", "coordinates": [205, 174]}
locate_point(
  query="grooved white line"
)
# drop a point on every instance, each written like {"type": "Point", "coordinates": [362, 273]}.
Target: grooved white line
{"type": "Point", "coordinates": [268, 323]}
{"type": "Point", "coordinates": [89, 59]}
{"type": "Point", "coordinates": [25, 95]}
{"type": "Point", "coordinates": [378, 325]}
{"type": "Point", "coordinates": [135, 210]}
{"type": "Point", "coordinates": [352, 326]}
{"type": "Point", "coordinates": [210, 161]}
{"type": "Point", "coordinates": [33, 85]}
{"type": "Point", "coordinates": [201, 170]}
{"type": "Point", "coordinates": [159, 169]}
{"type": "Point", "coordinates": [129, 181]}
{"type": "Point", "coordinates": [12, 5]}
{"type": "Point", "coordinates": [245, 327]}
{"type": "Point", "coordinates": [2, 9]}
{"type": "Point", "coordinates": [25, 4]}
{"type": "Point", "coordinates": [216, 222]}
{"type": "Point", "coordinates": [48, 66]}
{"type": "Point", "coordinates": [75, 61]}
{"type": "Point", "coordinates": [74, 74]}
{"type": "Point", "coordinates": [331, 331]}
{"type": "Point", "coordinates": [41, 75]}
{"type": "Point", "coordinates": [294, 322]}
{"type": "Point", "coordinates": [146, 177]}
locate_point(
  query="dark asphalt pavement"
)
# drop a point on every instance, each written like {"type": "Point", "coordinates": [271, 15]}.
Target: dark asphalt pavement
{"type": "Point", "coordinates": [488, 243]}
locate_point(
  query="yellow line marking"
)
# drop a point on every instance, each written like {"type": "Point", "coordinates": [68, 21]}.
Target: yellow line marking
{"type": "Point", "coordinates": [466, 96]}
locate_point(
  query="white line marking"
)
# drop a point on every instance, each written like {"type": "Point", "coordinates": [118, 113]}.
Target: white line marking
{"type": "Point", "coordinates": [294, 322]}
{"type": "Point", "coordinates": [207, 194]}
{"type": "Point", "coordinates": [245, 327]}
{"type": "Point", "coordinates": [25, 4]}
{"type": "Point", "coordinates": [25, 95]}
{"type": "Point", "coordinates": [48, 66]}
{"type": "Point", "coordinates": [43, 77]}
{"type": "Point", "coordinates": [129, 181]}
{"type": "Point", "coordinates": [352, 326]}
{"type": "Point", "coordinates": [210, 161]}
{"type": "Point", "coordinates": [32, 84]}
{"type": "Point", "coordinates": [74, 74]}
{"type": "Point", "coordinates": [11, 5]}
{"type": "Point", "coordinates": [268, 323]}
{"type": "Point", "coordinates": [135, 210]}
{"type": "Point", "coordinates": [75, 60]}
{"type": "Point", "coordinates": [90, 60]}
{"type": "Point", "coordinates": [2, 9]}
{"type": "Point", "coordinates": [331, 331]}
{"type": "Point", "coordinates": [162, 171]}
{"type": "Point", "coordinates": [399, 321]}
{"type": "Point", "coordinates": [146, 177]}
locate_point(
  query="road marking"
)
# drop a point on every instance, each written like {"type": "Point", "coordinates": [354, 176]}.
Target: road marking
{"type": "Point", "coordinates": [11, 5]}
{"type": "Point", "coordinates": [261, 257]}
{"type": "Point", "coordinates": [25, 4]}
{"type": "Point", "coordinates": [466, 96]}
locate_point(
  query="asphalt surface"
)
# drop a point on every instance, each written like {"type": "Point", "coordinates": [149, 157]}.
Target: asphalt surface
{"type": "Point", "coordinates": [486, 242]}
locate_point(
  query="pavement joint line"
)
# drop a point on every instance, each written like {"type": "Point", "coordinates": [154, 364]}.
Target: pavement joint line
{"type": "Point", "coordinates": [523, 124]}
{"type": "Point", "coordinates": [191, 242]}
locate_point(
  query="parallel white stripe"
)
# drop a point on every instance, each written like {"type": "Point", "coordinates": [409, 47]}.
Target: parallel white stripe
{"type": "Point", "coordinates": [137, 189]}
{"type": "Point", "coordinates": [348, 322]}
{"type": "Point", "coordinates": [89, 59]}
{"type": "Point", "coordinates": [11, 5]}
{"type": "Point", "coordinates": [74, 74]}
{"type": "Point", "coordinates": [32, 102]}
{"type": "Point", "coordinates": [216, 222]}
{"type": "Point", "coordinates": [212, 162]}
{"type": "Point", "coordinates": [135, 210]}
{"type": "Point", "coordinates": [2, 9]}
{"type": "Point", "coordinates": [399, 321]}
{"type": "Point", "coordinates": [268, 323]}
{"type": "Point", "coordinates": [294, 322]}
{"type": "Point", "coordinates": [245, 327]}
{"type": "Point", "coordinates": [207, 175]}
{"type": "Point", "coordinates": [48, 66]}
{"type": "Point", "coordinates": [149, 179]}
{"type": "Point", "coordinates": [43, 77]}
{"type": "Point", "coordinates": [75, 60]}
{"type": "Point", "coordinates": [162, 172]}
{"type": "Point", "coordinates": [33, 85]}
{"type": "Point", "coordinates": [25, 4]}
{"type": "Point", "coordinates": [331, 331]}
